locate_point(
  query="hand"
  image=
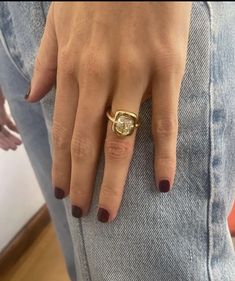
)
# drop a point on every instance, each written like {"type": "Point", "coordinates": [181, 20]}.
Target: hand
{"type": "Point", "coordinates": [7, 139]}
{"type": "Point", "coordinates": [114, 54]}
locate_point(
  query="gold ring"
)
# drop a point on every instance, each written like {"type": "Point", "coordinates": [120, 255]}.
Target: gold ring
{"type": "Point", "coordinates": [124, 122]}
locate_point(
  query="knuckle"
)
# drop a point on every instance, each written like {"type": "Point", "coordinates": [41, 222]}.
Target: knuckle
{"type": "Point", "coordinates": [165, 127]}
{"type": "Point", "coordinates": [110, 191]}
{"type": "Point", "coordinates": [81, 148]}
{"type": "Point", "coordinates": [65, 64]}
{"type": "Point", "coordinates": [169, 60]}
{"type": "Point", "coordinates": [115, 149]}
{"type": "Point", "coordinates": [169, 163]}
{"type": "Point", "coordinates": [60, 137]}
{"type": "Point", "coordinates": [130, 62]}
{"type": "Point", "coordinates": [78, 192]}
{"type": "Point", "coordinates": [94, 65]}
{"type": "Point", "coordinates": [39, 65]}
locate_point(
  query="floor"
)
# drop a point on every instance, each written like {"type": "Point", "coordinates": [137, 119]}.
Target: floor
{"type": "Point", "coordinates": [42, 262]}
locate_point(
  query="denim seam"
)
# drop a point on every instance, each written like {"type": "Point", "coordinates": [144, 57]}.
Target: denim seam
{"type": "Point", "coordinates": [211, 145]}
{"type": "Point", "coordinates": [84, 255]}
{"type": "Point", "coordinates": [2, 39]}
{"type": "Point", "coordinates": [43, 12]}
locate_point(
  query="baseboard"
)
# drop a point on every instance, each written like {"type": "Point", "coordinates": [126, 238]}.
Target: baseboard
{"type": "Point", "coordinates": [23, 240]}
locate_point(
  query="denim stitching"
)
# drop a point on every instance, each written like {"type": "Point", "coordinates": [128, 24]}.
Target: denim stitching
{"type": "Point", "coordinates": [211, 141]}
{"type": "Point", "coordinates": [84, 256]}
{"type": "Point", "coordinates": [8, 37]}
{"type": "Point", "coordinates": [5, 46]}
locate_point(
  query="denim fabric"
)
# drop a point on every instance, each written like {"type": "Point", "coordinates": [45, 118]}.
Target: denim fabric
{"type": "Point", "coordinates": [22, 25]}
{"type": "Point", "coordinates": [222, 122]}
{"type": "Point", "coordinates": [31, 124]}
{"type": "Point", "coordinates": [182, 235]}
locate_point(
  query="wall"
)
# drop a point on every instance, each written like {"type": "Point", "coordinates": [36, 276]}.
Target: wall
{"type": "Point", "coordinates": [20, 196]}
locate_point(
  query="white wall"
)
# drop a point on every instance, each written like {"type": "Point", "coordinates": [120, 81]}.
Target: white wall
{"type": "Point", "coordinates": [20, 195]}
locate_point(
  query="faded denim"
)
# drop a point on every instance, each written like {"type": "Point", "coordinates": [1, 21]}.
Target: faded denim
{"type": "Point", "coordinates": [182, 235]}
{"type": "Point", "coordinates": [31, 123]}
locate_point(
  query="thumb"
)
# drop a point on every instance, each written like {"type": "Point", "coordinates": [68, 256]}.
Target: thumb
{"type": "Point", "coordinates": [44, 74]}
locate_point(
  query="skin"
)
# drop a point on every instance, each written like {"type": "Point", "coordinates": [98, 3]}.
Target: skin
{"type": "Point", "coordinates": [7, 139]}
{"type": "Point", "coordinates": [110, 54]}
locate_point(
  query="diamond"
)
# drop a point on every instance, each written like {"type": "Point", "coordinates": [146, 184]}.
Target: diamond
{"type": "Point", "coordinates": [125, 124]}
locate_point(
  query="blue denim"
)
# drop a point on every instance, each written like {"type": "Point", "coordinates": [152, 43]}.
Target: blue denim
{"type": "Point", "coordinates": [30, 121]}
{"type": "Point", "coordinates": [182, 235]}
{"type": "Point", "coordinates": [22, 26]}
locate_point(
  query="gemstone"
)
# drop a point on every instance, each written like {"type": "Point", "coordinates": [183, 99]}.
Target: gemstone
{"type": "Point", "coordinates": [124, 125]}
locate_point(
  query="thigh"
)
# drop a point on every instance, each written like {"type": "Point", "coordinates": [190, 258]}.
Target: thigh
{"type": "Point", "coordinates": [31, 124]}
{"type": "Point", "coordinates": [181, 235]}
{"type": "Point", "coordinates": [222, 134]}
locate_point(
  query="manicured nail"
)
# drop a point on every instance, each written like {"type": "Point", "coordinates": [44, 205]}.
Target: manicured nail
{"type": "Point", "coordinates": [164, 185]}
{"type": "Point", "coordinates": [76, 211]}
{"type": "Point", "coordinates": [103, 215]}
{"type": "Point", "coordinates": [59, 193]}
{"type": "Point", "coordinates": [27, 95]}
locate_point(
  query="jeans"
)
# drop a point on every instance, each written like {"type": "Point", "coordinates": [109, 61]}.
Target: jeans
{"type": "Point", "coordinates": [30, 121]}
{"type": "Point", "coordinates": [182, 235]}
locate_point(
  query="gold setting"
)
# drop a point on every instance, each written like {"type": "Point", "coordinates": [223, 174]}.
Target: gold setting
{"type": "Point", "coordinates": [124, 122]}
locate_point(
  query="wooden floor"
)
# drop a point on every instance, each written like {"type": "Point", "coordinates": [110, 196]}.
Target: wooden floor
{"type": "Point", "coordinates": [43, 261]}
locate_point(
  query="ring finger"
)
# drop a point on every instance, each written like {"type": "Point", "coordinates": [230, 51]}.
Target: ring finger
{"type": "Point", "coordinates": [118, 149]}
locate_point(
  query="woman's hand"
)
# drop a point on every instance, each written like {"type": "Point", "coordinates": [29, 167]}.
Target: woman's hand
{"type": "Point", "coordinates": [104, 54]}
{"type": "Point", "coordinates": [7, 139]}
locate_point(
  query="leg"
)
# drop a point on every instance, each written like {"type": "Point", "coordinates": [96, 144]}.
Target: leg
{"type": "Point", "coordinates": [31, 124]}
{"type": "Point", "coordinates": [182, 235]}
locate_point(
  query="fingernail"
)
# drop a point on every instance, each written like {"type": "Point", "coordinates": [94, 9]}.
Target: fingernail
{"type": "Point", "coordinates": [76, 211]}
{"type": "Point", "coordinates": [59, 193]}
{"type": "Point", "coordinates": [164, 185]}
{"type": "Point", "coordinates": [103, 215]}
{"type": "Point", "coordinates": [27, 95]}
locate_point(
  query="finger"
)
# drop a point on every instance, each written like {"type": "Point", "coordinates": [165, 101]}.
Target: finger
{"type": "Point", "coordinates": [165, 96]}
{"type": "Point", "coordinates": [44, 75]}
{"type": "Point", "coordinates": [3, 142]}
{"type": "Point", "coordinates": [11, 125]}
{"type": "Point", "coordinates": [62, 130]}
{"type": "Point", "coordinates": [10, 143]}
{"type": "Point", "coordinates": [13, 138]}
{"type": "Point", "coordinates": [16, 140]}
{"type": "Point", "coordinates": [118, 154]}
{"type": "Point", "coordinates": [3, 145]}
{"type": "Point", "coordinates": [88, 136]}
{"type": "Point", "coordinates": [12, 146]}
{"type": "Point", "coordinates": [119, 150]}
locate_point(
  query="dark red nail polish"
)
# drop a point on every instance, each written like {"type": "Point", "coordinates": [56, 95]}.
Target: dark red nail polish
{"type": "Point", "coordinates": [103, 215]}
{"type": "Point", "coordinates": [76, 211]}
{"type": "Point", "coordinates": [164, 185]}
{"type": "Point", "coordinates": [27, 95]}
{"type": "Point", "coordinates": [59, 193]}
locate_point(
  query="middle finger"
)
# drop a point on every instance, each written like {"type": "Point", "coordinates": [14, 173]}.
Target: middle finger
{"type": "Point", "coordinates": [132, 83]}
{"type": "Point", "coordinates": [88, 134]}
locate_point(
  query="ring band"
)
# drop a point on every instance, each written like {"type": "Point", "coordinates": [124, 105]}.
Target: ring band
{"type": "Point", "coordinates": [124, 122]}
